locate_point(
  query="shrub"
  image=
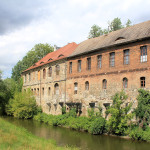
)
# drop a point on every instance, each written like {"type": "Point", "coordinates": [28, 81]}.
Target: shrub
{"type": "Point", "coordinates": [98, 126]}
{"type": "Point", "coordinates": [136, 133]}
{"type": "Point", "coordinates": [23, 105]}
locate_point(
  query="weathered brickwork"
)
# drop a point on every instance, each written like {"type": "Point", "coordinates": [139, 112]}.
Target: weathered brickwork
{"type": "Point", "coordinates": [114, 76]}
{"type": "Point", "coordinates": [93, 71]}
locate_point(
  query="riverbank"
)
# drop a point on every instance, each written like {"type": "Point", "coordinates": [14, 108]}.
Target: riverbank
{"type": "Point", "coordinates": [13, 137]}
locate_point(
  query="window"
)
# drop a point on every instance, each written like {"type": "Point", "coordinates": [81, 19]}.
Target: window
{"type": "Point", "coordinates": [29, 77]}
{"type": "Point", "coordinates": [49, 91]}
{"type": "Point", "coordinates": [87, 85]}
{"type": "Point", "coordinates": [89, 63]}
{"type": "Point", "coordinates": [142, 79]}
{"type": "Point", "coordinates": [104, 84]}
{"type": "Point", "coordinates": [49, 71]}
{"type": "Point", "coordinates": [34, 91]}
{"type": "Point", "coordinates": [56, 87]}
{"type": "Point", "coordinates": [39, 75]}
{"type": "Point", "coordinates": [79, 65]}
{"type": "Point", "coordinates": [75, 88]}
{"type": "Point", "coordinates": [57, 69]}
{"type": "Point", "coordinates": [42, 91]}
{"type": "Point", "coordinates": [25, 78]}
{"type": "Point", "coordinates": [125, 83]}
{"type": "Point", "coordinates": [99, 61]}
{"type": "Point", "coordinates": [38, 91]}
{"type": "Point", "coordinates": [70, 67]}
{"type": "Point", "coordinates": [126, 57]}
{"type": "Point", "coordinates": [44, 73]}
{"type": "Point", "coordinates": [143, 53]}
{"type": "Point", "coordinates": [112, 59]}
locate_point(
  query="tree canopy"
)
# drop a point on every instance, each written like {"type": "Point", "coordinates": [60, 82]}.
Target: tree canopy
{"type": "Point", "coordinates": [114, 25]}
{"type": "Point", "coordinates": [35, 54]}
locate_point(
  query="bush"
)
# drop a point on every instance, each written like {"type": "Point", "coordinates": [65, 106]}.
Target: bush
{"type": "Point", "coordinates": [136, 133]}
{"type": "Point", "coordinates": [98, 126]}
{"type": "Point", "coordinates": [23, 105]}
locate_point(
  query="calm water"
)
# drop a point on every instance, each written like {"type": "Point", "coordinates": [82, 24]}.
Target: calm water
{"type": "Point", "coordinates": [84, 141]}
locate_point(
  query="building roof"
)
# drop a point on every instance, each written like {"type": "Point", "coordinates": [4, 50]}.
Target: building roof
{"type": "Point", "coordinates": [54, 56]}
{"type": "Point", "coordinates": [125, 35]}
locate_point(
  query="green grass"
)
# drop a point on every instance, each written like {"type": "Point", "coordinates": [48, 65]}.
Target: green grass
{"type": "Point", "coordinates": [16, 138]}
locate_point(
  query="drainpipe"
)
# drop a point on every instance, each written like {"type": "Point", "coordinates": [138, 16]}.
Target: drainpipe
{"type": "Point", "coordinates": [40, 86]}
{"type": "Point", "coordinates": [65, 77]}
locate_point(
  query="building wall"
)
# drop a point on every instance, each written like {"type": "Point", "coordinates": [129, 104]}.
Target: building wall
{"type": "Point", "coordinates": [114, 76]}
{"type": "Point", "coordinates": [49, 100]}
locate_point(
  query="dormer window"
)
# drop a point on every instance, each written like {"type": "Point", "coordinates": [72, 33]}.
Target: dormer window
{"type": "Point", "coordinates": [120, 38]}
{"type": "Point", "coordinates": [41, 62]}
{"type": "Point", "coordinates": [50, 59]}
{"type": "Point", "coordinates": [60, 55]}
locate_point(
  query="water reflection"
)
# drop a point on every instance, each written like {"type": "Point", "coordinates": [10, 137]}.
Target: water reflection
{"type": "Point", "coordinates": [83, 140]}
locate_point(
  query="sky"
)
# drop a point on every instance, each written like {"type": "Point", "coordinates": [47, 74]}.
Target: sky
{"type": "Point", "coordinates": [24, 23]}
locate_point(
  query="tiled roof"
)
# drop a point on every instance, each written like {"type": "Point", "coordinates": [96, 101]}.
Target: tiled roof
{"type": "Point", "coordinates": [56, 55]}
{"type": "Point", "coordinates": [125, 35]}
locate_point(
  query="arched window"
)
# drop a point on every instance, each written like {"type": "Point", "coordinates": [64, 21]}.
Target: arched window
{"type": "Point", "coordinates": [142, 80]}
{"type": "Point", "coordinates": [104, 84]}
{"type": "Point", "coordinates": [56, 89]}
{"type": "Point", "coordinates": [49, 71]}
{"type": "Point", "coordinates": [44, 73]}
{"type": "Point", "coordinates": [87, 85]}
{"type": "Point", "coordinates": [49, 91]}
{"type": "Point", "coordinates": [125, 83]}
{"type": "Point", "coordinates": [57, 69]}
{"type": "Point", "coordinates": [75, 88]}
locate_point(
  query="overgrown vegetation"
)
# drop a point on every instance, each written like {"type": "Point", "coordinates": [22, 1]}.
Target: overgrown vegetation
{"type": "Point", "coordinates": [12, 137]}
{"type": "Point", "coordinates": [23, 105]}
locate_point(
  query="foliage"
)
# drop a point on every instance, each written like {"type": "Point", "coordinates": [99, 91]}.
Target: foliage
{"type": "Point", "coordinates": [23, 105]}
{"type": "Point", "coordinates": [98, 126]}
{"type": "Point", "coordinates": [35, 54]}
{"type": "Point", "coordinates": [143, 109]}
{"type": "Point", "coordinates": [136, 133]}
{"type": "Point", "coordinates": [17, 138]}
{"type": "Point", "coordinates": [113, 25]}
{"type": "Point", "coordinates": [73, 112]}
{"type": "Point", "coordinates": [95, 31]}
{"type": "Point", "coordinates": [63, 110]}
{"type": "Point", "coordinates": [118, 122]}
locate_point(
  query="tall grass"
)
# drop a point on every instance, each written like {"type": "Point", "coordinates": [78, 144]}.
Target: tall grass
{"type": "Point", "coordinates": [16, 138]}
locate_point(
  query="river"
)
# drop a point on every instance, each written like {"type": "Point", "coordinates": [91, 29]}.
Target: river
{"type": "Point", "coordinates": [84, 141]}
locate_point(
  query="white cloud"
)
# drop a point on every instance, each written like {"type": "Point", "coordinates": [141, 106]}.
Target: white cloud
{"type": "Point", "coordinates": [59, 22]}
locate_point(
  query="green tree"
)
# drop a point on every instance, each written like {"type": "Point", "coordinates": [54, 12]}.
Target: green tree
{"type": "Point", "coordinates": [143, 109]}
{"type": "Point", "coordinates": [115, 24]}
{"type": "Point", "coordinates": [128, 23]}
{"type": "Point", "coordinates": [95, 31]}
{"type": "Point", "coordinates": [35, 54]}
{"type": "Point", "coordinates": [118, 122]}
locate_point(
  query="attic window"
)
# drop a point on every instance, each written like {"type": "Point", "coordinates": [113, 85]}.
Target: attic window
{"type": "Point", "coordinates": [120, 38]}
{"type": "Point", "coordinates": [60, 55]}
{"type": "Point", "coordinates": [41, 62]}
{"type": "Point", "coordinates": [50, 59]}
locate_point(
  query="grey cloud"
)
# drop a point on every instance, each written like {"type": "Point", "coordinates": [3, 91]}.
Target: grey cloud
{"type": "Point", "coordinates": [18, 13]}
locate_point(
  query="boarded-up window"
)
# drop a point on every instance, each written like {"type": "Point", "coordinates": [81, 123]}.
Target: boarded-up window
{"type": "Point", "coordinates": [39, 75]}
{"type": "Point", "coordinates": [87, 85]}
{"type": "Point", "coordinates": [56, 89]}
{"type": "Point", "coordinates": [49, 71]}
{"type": "Point", "coordinates": [104, 83]}
{"type": "Point", "coordinates": [70, 67]}
{"type": "Point", "coordinates": [75, 88]}
{"type": "Point", "coordinates": [57, 69]}
{"type": "Point", "coordinates": [44, 73]}
{"type": "Point", "coordinates": [79, 65]}
{"type": "Point", "coordinates": [49, 91]}
{"type": "Point", "coordinates": [125, 83]}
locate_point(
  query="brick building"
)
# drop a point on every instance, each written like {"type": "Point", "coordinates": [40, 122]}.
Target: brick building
{"type": "Point", "coordinates": [102, 66]}
{"type": "Point", "coordinates": [47, 79]}
{"type": "Point", "coordinates": [93, 71]}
